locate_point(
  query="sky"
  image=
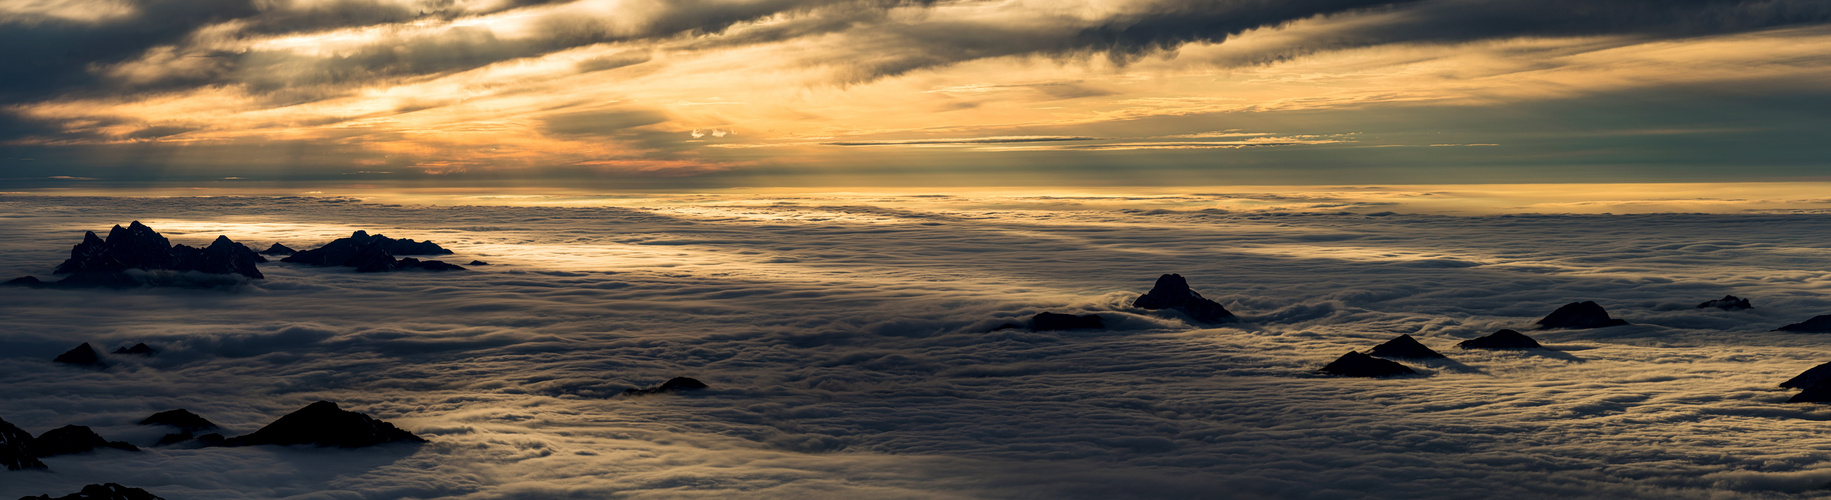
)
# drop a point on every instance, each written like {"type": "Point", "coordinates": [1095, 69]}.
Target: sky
{"type": "Point", "coordinates": [605, 94]}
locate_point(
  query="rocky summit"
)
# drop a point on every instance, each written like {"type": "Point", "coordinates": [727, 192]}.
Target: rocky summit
{"type": "Point", "coordinates": [1404, 347]}
{"type": "Point", "coordinates": [71, 439]}
{"type": "Point", "coordinates": [1810, 377]}
{"type": "Point", "coordinates": [676, 384]}
{"type": "Point", "coordinates": [1354, 364]}
{"type": "Point", "coordinates": [324, 424]}
{"type": "Point", "coordinates": [1048, 321]}
{"type": "Point", "coordinates": [140, 247]}
{"type": "Point", "coordinates": [108, 491]}
{"type": "Point", "coordinates": [140, 349]}
{"type": "Point", "coordinates": [1815, 393]}
{"type": "Point", "coordinates": [1503, 339]}
{"type": "Point", "coordinates": [82, 355]}
{"type": "Point", "coordinates": [1818, 324]}
{"type": "Point", "coordinates": [1586, 314]}
{"type": "Point", "coordinates": [373, 254]}
{"type": "Point", "coordinates": [181, 419]}
{"type": "Point", "coordinates": [1173, 292]}
{"type": "Point", "coordinates": [278, 249]}
{"type": "Point", "coordinates": [1727, 303]}
{"type": "Point", "coordinates": [16, 448]}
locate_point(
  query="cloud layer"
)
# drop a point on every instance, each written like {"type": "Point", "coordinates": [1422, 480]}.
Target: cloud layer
{"type": "Point", "coordinates": [848, 343]}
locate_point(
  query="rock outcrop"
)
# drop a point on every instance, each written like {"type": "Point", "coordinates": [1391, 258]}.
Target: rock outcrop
{"type": "Point", "coordinates": [109, 491]}
{"type": "Point", "coordinates": [1503, 339]}
{"type": "Point", "coordinates": [676, 384]}
{"type": "Point", "coordinates": [1048, 321]}
{"type": "Point", "coordinates": [1815, 393]}
{"type": "Point", "coordinates": [324, 424]}
{"type": "Point", "coordinates": [373, 254]}
{"type": "Point", "coordinates": [140, 349]}
{"type": "Point", "coordinates": [1809, 378]}
{"type": "Point", "coordinates": [278, 249]}
{"type": "Point", "coordinates": [181, 419]}
{"type": "Point", "coordinates": [139, 247]}
{"type": "Point", "coordinates": [1727, 303]}
{"type": "Point", "coordinates": [1586, 314]}
{"type": "Point", "coordinates": [1173, 292]}
{"type": "Point", "coordinates": [98, 262]}
{"type": "Point", "coordinates": [82, 355]}
{"type": "Point", "coordinates": [16, 448]}
{"type": "Point", "coordinates": [1354, 364]}
{"type": "Point", "coordinates": [71, 439]}
{"type": "Point", "coordinates": [1818, 324]}
{"type": "Point", "coordinates": [1404, 347]}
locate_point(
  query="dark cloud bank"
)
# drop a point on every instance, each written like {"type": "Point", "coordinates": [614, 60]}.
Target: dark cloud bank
{"type": "Point", "coordinates": [59, 57]}
{"type": "Point", "coordinates": [850, 350]}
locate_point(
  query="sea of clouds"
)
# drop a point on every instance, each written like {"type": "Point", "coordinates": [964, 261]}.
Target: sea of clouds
{"type": "Point", "coordinates": [849, 348]}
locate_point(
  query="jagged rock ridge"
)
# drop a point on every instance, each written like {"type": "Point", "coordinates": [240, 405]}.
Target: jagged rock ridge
{"type": "Point", "coordinates": [140, 349]}
{"type": "Point", "coordinates": [105, 262]}
{"type": "Point", "coordinates": [16, 448]}
{"type": "Point", "coordinates": [1586, 314]}
{"type": "Point", "coordinates": [1727, 303]}
{"type": "Point", "coordinates": [373, 254]}
{"type": "Point", "coordinates": [1173, 292]}
{"type": "Point", "coordinates": [324, 424]}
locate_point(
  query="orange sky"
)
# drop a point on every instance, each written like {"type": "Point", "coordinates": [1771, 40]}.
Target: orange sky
{"type": "Point", "coordinates": [982, 91]}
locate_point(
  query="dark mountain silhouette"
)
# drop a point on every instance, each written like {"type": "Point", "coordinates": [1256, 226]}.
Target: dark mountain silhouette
{"type": "Point", "coordinates": [180, 418]}
{"type": "Point", "coordinates": [109, 491]}
{"type": "Point", "coordinates": [1809, 377]}
{"type": "Point", "coordinates": [82, 355]}
{"type": "Point", "coordinates": [140, 349]}
{"type": "Point", "coordinates": [477, 263]}
{"type": "Point", "coordinates": [1586, 314]}
{"type": "Point", "coordinates": [27, 281]}
{"type": "Point", "coordinates": [278, 249]}
{"type": "Point", "coordinates": [1354, 364]}
{"type": "Point", "coordinates": [16, 448]}
{"type": "Point", "coordinates": [73, 439]}
{"type": "Point", "coordinates": [1727, 303]}
{"type": "Point", "coordinates": [1815, 393]}
{"type": "Point", "coordinates": [1818, 324]}
{"type": "Point", "coordinates": [1172, 292]}
{"type": "Point", "coordinates": [98, 262]}
{"type": "Point", "coordinates": [1404, 347]}
{"type": "Point", "coordinates": [1503, 339]}
{"type": "Point", "coordinates": [676, 384]}
{"type": "Point", "coordinates": [1047, 321]}
{"type": "Point", "coordinates": [373, 254]}
{"type": "Point", "coordinates": [324, 424]}
{"type": "Point", "coordinates": [139, 247]}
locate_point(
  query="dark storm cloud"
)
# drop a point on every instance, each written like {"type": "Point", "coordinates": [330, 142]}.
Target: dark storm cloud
{"type": "Point", "coordinates": [1165, 26]}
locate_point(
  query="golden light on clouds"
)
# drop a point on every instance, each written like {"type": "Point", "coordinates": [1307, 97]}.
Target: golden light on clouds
{"type": "Point", "coordinates": [500, 87]}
